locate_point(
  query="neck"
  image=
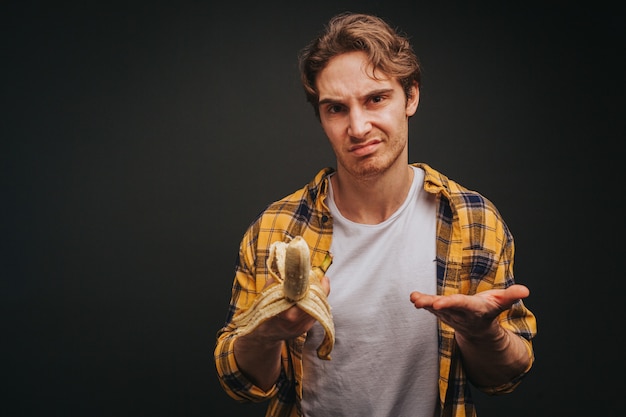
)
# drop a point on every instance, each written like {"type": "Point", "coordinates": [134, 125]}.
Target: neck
{"type": "Point", "coordinates": [372, 200]}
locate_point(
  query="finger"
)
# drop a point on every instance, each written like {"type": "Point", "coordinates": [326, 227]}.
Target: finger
{"type": "Point", "coordinates": [325, 282]}
{"type": "Point", "coordinates": [292, 314]}
{"type": "Point", "coordinates": [511, 295]}
{"type": "Point", "coordinates": [517, 291]}
{"type": "Point", "coordinates": [296, 321]}
{"type": "Point", "coordinates": [421, 300]}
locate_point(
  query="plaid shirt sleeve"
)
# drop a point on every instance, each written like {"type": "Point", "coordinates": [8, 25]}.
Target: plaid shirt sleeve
{"type": "Point", "coordinates": [301, 213]}
{"type": "Point", "coordinates": [475, 251]}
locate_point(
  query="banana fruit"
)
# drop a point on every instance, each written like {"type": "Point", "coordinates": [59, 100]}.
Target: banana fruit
{"type": "Point", "coordinates": [294, 284]}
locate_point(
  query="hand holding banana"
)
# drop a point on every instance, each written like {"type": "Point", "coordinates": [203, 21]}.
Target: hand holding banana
{"type": "Point", "coordinates": [295, 284]}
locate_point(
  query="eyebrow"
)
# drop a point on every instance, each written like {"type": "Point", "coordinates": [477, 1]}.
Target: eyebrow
{"type": "Point", "coordinates": [370, 94]}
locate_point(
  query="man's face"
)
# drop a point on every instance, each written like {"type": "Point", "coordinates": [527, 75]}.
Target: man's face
{"type": "Point", "coordinates": [365, 119]}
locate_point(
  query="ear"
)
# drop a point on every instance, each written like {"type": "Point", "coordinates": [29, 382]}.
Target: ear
{"type": "Point", "coordinates": [413, 100]}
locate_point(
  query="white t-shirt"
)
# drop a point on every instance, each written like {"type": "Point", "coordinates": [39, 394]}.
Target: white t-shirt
{"type": "Point", "coordinates": [384, 362]}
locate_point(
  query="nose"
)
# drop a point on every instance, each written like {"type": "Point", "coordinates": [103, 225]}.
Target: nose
{"type": "Point", "coordinates": [359, 123]}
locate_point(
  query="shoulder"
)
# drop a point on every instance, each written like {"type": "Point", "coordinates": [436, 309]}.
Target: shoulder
{"type": "Point", "coordinates": [307, 196]}
{"type": "Point", "coordinates": [470, 205]}
{"type": "Point", "coordinates": [291, 212]}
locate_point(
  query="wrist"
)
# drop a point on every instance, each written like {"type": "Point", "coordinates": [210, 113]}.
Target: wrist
{"type": "Point", "coordinates": [495, 337]}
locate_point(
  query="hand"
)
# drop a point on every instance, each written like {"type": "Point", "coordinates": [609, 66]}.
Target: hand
{"type": "Point", "coordinates": [290, 323]}
{"type": "Point", "coordinates": [470, 314]}
{"type": "Point", "coordinates": [258, 354]}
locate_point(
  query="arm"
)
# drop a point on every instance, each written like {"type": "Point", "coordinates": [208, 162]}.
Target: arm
{"type": "Point", "coordinates": [244, 361]}
{"type": "Point", "coordinates": [258, 354]}
{"type": "Point", "coordinates": [479, 304]}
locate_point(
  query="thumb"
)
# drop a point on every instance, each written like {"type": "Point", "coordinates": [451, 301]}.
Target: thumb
{"type": "Point", "coordinates": [517, 291]}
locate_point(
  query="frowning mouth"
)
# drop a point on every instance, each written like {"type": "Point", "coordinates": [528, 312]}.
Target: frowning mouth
{"type": "Point", "coordinates": [366, 148]}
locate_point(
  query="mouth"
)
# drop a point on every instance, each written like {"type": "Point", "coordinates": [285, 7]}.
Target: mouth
{"type": "Point", "coordinates": [365, 148]}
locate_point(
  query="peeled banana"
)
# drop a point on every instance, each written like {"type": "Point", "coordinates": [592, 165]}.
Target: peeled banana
{"type": "Point", "coordinates": [295, 283]}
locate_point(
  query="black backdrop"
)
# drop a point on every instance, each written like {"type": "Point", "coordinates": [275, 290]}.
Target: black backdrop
{"type": "Point", "coordinates": [139, 139]}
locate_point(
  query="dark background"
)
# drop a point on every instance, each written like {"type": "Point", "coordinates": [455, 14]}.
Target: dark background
{"type": "Point", "coordinates": [139, 139]}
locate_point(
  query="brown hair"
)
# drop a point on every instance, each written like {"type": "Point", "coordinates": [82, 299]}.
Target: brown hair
{"type": "Point", "coordinates": [388, 50]}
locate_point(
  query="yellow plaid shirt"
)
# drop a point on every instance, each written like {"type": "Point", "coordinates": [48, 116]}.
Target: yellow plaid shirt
{"type": "Point", "coordinates": [474, 253]}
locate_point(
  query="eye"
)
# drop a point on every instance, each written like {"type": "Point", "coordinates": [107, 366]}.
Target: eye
{"type": "Point", "coordinates": [334, 108]}
{"type": "Point", "coordinates": [377, 99]}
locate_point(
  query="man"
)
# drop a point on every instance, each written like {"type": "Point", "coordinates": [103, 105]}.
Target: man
{"type": "Point", "coordinates": [421, 269]}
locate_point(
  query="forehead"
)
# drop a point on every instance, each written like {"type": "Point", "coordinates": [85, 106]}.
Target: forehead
{"type": "Point", "coordinates": [351, 74]}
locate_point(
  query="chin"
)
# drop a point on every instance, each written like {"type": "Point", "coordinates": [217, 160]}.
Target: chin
{"type": "Point", "coordinates": [369, 169]}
